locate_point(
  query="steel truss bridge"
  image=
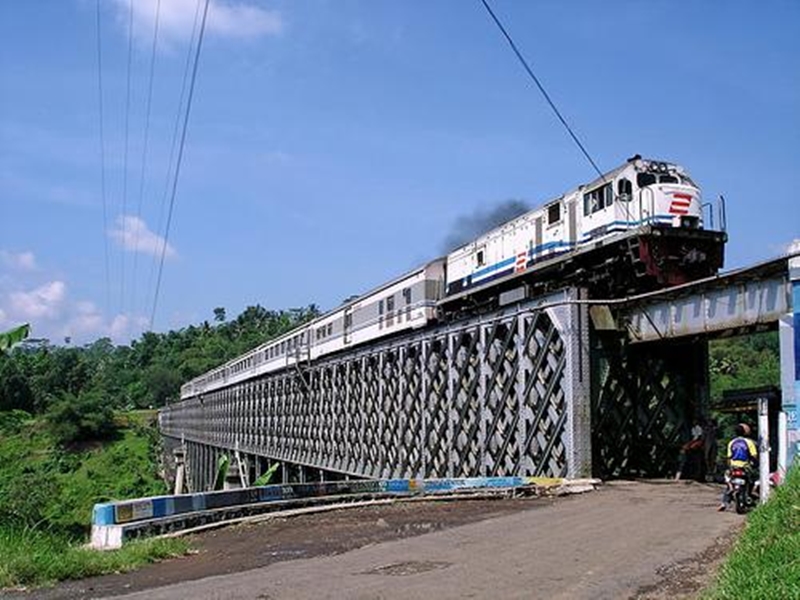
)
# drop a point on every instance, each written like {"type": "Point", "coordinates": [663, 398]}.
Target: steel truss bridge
{"type": "Point", "coordinates": [563, 386]}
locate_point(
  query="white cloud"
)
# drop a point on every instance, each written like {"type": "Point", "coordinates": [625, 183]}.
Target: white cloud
{"type": "Point", "coordinates": [87, 323]}
{"type": "Point", "coordinates": [133, 234]}
{"type": "Point", "coordinates": [42, 302]}
{"type": "Point", "coordinates": [22, 261]}
{"type": "Point", "coordinates": [53, 314]}
{"type": "Point", "coordinates": [226, 18]}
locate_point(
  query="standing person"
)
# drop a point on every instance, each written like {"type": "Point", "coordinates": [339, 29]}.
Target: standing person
{"type": "Point", "coordinates": [742, 454]}
{"type": "Point", "coordinates": [690, 455]}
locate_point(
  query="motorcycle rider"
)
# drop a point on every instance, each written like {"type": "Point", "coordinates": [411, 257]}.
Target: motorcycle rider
{"type": "Point", "coordinates": [742, 454]}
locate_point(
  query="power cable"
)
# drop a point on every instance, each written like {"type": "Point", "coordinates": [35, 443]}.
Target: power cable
{"type": "Point", "coordinates": [103, 156]}
{"type": "Point", "coordinates": [180, 158]}
{"type": "Point", "coordinates": [125, 159]}
{"type": "Point", "coordinates": [174, 144]}
{"type": "Point", "coordinates": [540, 86]}
{"type": "Point", "coordinates": [144, 147]}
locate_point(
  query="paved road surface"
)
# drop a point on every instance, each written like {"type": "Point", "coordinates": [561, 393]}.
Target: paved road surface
{"type": "Point", "coordinates": [622, 541]}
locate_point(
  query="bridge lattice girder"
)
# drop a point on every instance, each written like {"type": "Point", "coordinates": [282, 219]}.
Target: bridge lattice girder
{"type": "Point", "coordinates": [503, 394]}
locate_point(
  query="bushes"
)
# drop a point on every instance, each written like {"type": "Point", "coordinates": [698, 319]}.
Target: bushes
{"type": "Point", "coordinates": [47, 494]}
{"type": "Point", "coordinates": [80, 418]}
{"type": "Point", "coordinates": [43, 486]}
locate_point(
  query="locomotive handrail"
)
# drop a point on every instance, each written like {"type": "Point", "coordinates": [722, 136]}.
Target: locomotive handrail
{"type": "Point", "coordinates": [641, 206]}
{"type": "Point", "coordinates": [710, 213]}
{"type": "Point", "coordinates": [628, 200]}
{"type": "Point", "coordinates": [723, 215]}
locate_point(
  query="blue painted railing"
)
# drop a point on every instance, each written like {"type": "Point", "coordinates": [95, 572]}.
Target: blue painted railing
{"type": "Point", "coordinates": [142, 509]}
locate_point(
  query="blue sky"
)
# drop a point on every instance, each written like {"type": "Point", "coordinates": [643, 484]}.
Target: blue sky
{"type": "Point", "coordinates": [333, 144]}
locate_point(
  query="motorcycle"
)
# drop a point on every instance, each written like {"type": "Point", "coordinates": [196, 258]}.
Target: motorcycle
{"type": "Point", "coordinates": [741, 491]}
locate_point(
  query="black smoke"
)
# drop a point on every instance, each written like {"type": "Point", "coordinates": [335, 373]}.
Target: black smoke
{"type": "Point", "coordinates": [468, 227]}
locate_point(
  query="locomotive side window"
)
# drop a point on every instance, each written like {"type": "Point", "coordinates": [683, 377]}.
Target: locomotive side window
{"type": "Point", "coordinates": [645, 179]}
{"type": "Point", "coordinates": [480, 257]}
{"type": "Point", "coordinates": [624, 189]}
{"type": "Point", "coordinates": [597, 199]}
{"type": "Point", "coordinates": [553, 213]}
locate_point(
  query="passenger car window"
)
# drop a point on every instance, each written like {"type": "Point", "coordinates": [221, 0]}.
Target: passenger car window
{"type": "Point", "coordinates": [553, 213]}
{"type": "Point", "coordinates": [480, 257]}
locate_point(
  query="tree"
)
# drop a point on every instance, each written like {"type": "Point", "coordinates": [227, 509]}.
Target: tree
{"type": "Point", "coordinates": [162, 383]}
{"type": "Point", "coordinates": [79, 418]}
{"type": "Point", "coordinates": [15, 393]}
{"type": "Point", "coordinates": [219, 314]}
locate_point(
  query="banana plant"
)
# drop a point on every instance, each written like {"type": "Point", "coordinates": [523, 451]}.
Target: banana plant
{"type": "Point", "coordinates": [16, 335]}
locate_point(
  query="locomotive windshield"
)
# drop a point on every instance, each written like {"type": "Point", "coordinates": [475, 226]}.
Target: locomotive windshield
{"type": "Point", "coordinates": [649, 178]}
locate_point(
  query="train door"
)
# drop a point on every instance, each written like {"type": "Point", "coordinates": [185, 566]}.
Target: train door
{"type": "Point", "coordinates": [348, 325]}
{"type": "Point", "coordinates": [572, 223]}
{"type": "Point", "coordinates": [537, 237]}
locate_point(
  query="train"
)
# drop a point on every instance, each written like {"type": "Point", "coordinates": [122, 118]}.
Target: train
{"type": "Point", "coordinates": [637, 227]}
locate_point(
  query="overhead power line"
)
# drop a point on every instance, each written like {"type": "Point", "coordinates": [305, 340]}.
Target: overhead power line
{"type": "Point", "coordinates": [174, 144]}
{"type": "Point", "coordinates": [180, 159]}
{"type": "Point", "coordinates": [103, 156]}
{"type": "Point", "coordinates": [535, 79]}
{"type": "Point", "coordinates": [125, 157]}
{"type": "Point", "coordinates": [144, 147]}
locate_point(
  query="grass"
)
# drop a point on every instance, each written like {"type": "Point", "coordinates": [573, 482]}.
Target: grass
{"type": "Point", "coordinates": [765, 562]}
{"type": "Point", "coordinates": [47, 494]}
{"type": "Point", "coordinates": [33, 558]}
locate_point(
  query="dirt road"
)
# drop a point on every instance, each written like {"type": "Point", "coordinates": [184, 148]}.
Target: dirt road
{"type": "Point", "coordinates": [652, 540]}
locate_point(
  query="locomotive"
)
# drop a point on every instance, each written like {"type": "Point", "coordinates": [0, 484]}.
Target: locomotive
{"type": "Point", "coordinates": [635, 228]}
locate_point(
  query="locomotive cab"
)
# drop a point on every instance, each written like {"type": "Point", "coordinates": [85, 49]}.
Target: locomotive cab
{"type": "Point", "coordinates": [667, 195]}
{"type": "Point", "coordinates": [633, 229]}
{"type": "Point", "coordinates": [673, 243]}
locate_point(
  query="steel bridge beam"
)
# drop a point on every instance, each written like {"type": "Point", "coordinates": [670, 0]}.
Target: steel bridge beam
{"type": "Point", "coordinates": [741, 306]}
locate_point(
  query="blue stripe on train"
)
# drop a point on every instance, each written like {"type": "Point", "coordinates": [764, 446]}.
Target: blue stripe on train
{"type": "Point", "coordinates": [497, 270]}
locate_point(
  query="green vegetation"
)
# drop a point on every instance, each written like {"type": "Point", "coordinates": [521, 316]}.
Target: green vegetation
{"type": "Point", "coordinates": [73, 432]}
{"type": "Point", "coordinates": [744, 362]}
{"type": "Point", "coordinates": [36, 376]}
{"type": "Point", "coordinates": [44, 486]}
{"type": "Point", "coordinates": [765, 563]}
{"type": "Point", "coordinates": [47, 493]}
{"type": "Point", "coordinates": [266, 477]}
{"type": "Point", "coordinates": [33, 557]}
{"type": "Point", "coordinates": [16, 335]}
